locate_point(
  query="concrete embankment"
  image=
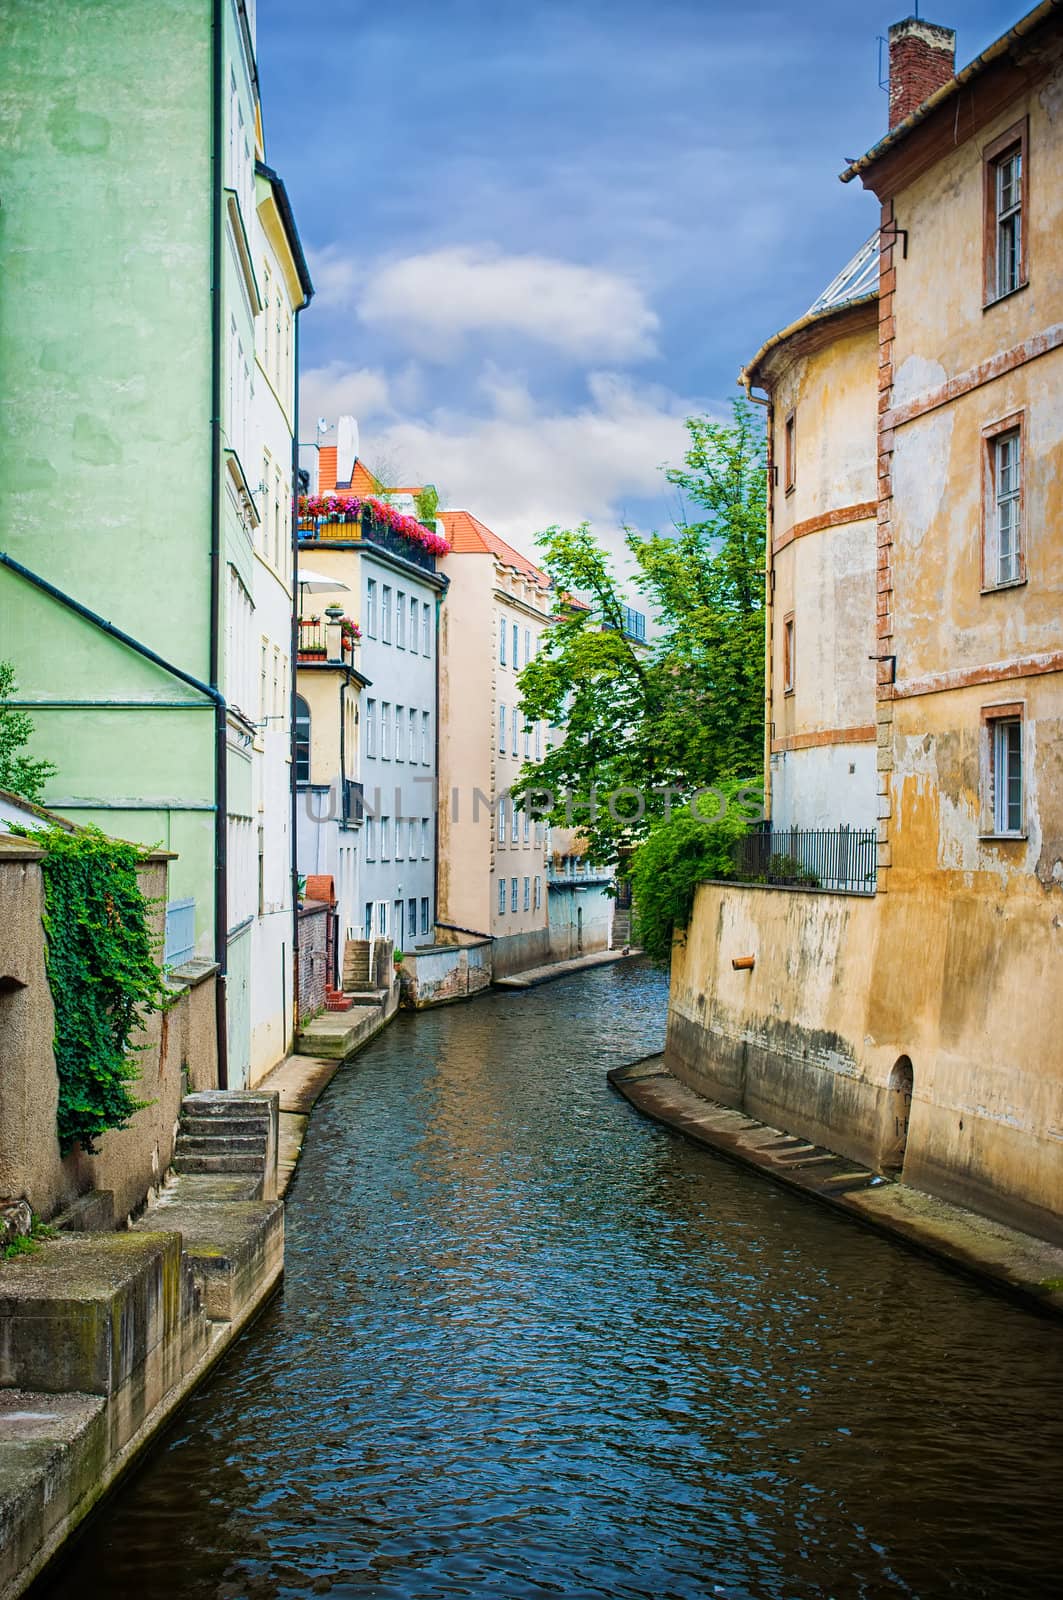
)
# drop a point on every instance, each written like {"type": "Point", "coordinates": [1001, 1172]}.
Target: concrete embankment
{"type": "Point", "coordinates": [1027, 1269]}
{"type": "Point", "coordinates": [104, 1334]}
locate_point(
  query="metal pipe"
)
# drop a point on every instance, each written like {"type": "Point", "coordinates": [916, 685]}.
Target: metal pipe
{"type": "Point", "coordinates": [221, 798]}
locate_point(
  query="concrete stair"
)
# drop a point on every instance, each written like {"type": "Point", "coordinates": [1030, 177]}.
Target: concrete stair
{"type": "Point", "coordinates": [621, 929]}
{"type": "Point", "coordinates": [229, 1132]}
{"type": "Point", "coordinates": [357, 965]}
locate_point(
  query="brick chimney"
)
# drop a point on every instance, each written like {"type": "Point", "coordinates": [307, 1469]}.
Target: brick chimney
{"type": "Point", "coordinates": [922, 59]}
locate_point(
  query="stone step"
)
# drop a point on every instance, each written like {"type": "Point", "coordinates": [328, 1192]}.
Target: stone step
{"type": "Point", "coordinates": [220, 1144]}
{"type": "Point", "coordinates": [201, 1127]}
{"type": "Point", "coordinates": [216, 1163]}
{"type": "Point", "coordinates": [226, 1103]}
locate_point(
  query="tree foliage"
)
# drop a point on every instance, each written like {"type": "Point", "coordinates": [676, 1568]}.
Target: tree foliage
{"type": "Point", "coordinates": [663, 719]}
{"type": "Point", "coordinates": [18, 773]}
{"type": "Point", "coordinates": [676, 855]}
{"type": "Point", "coordinates": [102, 974]}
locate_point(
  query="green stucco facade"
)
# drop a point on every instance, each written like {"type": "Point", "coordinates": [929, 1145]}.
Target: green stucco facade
{"type": "Point", "coordinates": [110, 207]}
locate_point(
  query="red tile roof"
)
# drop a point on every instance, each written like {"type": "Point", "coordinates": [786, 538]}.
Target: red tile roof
{"type": "Point", "coordinates": [362, 480]}
{"type": "Point", "coordinates": [326, 468]}
{"type": "Point", "coordinates": [470, 537]}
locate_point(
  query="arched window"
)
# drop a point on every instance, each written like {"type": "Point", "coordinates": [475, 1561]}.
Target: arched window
{"type": "Point", "coordinates": [302, 740]}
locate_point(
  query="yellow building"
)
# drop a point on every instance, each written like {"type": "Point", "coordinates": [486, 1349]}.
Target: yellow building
{"type": "Point", "coordinates": [492, 856]}
{"type": "Point", "coordinates": [918, 1028]}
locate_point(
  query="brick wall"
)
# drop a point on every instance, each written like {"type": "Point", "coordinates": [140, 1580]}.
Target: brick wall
{"type": "Point", "coordinates": [922, 60]}
{"type": "Point", "coordinates": [313, 958]}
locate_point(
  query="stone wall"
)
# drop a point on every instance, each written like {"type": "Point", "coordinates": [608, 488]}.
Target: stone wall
{"type": "Point", "coordinates": [581, 918]}
{"type": "Point", "coordinates": [845, 989]}
{"type": "Point", "coordinates": [434, 976]}
{"type": "Point", "coordinates": [516, 951]}
{"type": "Point", "coordinates": [179, 1052]}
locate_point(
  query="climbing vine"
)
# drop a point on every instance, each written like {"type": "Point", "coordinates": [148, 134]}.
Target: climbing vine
{"type": "Point", "coordinates": [103, 975]}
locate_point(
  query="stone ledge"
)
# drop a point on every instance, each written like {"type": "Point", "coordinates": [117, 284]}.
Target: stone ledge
{"type": "Point", "coordinates": [1016, 1264]}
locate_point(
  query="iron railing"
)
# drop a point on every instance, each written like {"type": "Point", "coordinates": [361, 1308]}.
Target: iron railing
{"type": "Point", "coordinates": [842, 860]}
{"type": "Point", "coordinates": [314, 643]}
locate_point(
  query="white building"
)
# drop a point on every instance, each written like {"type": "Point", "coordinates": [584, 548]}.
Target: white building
{"type": "Point", "coordinates": [284, 288]}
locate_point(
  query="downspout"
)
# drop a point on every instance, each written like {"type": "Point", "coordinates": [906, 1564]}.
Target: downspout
{"type": "Point", "coordinates": [295, 661]}
{"type": "Point", "coordinates": [769, 588]}
{"type": "Point", "coordinates": [343, 808]}
{"type": "Point", "coordinates": [221, 797]}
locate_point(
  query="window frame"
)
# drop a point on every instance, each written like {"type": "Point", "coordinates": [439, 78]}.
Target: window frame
{"type": "Point", "coordinates": [513, 882]}
{"type": "Point", "coordinates": [370, 607]}
{"type": "Point", "coordinates": [992, 434]}
{"type": "Point", "coordinates": [301, 740]}
{"type": "Point", "coordinates": [790, 451]}
{"type": "Point", "coordinates": [789, 653]}
{"type": "Point", "coordinates": [993, 154]}
{"type": "Point", "coordinates": [503, 625]}
{"type": "Point", "coordinates": [993, 717]}
{"type": "Point", "coordinates": [501, 897]}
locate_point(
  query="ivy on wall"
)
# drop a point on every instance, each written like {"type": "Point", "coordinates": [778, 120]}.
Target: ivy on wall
{"type": "Point", "coordinates": [102, 973]}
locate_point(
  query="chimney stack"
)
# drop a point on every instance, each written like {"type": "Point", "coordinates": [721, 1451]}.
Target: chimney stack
{"type": "Point", "coordinates": [922, 60]}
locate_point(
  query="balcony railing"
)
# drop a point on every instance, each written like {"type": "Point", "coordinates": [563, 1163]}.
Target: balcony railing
{"type": "Point", "coordinates": [571, 871]}
{"type": "Point", "coordinates": [324, 641]}
{"type": "Point", "coordinates": [367, 530]}
{"type": "Point", "coordinates": [839, 860]}
{"type": "Point", "coordinates": [632, 624]}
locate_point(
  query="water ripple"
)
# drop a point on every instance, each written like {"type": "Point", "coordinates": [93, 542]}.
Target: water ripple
{"type": "Point", "coordinates": [531, 1345]}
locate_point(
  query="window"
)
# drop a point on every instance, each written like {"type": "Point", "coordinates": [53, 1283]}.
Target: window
{"type": "Point", "coordinates": [502, 631]}
{"type": "Point", "coordinates": [515, 720]}
{"type": "Point", "coordinates": [501, 819]}
{"type": "Point", "coordinates": [1003, 553]}
{"type": "Point", "coordinates": [411, 918]}
{"type": "Point", "coordinates": [400, 619]}
{"type": "Point", "coordinates": [413, 734]}
{"type": "Point", "coordinates": [515, 818]}
{"type": "Point", "coordinates": [267, 533]}
{"type": "Point", "coordinates": [426, 839]}
{"type": "Point", "coordinates": [501, 897]}
{"type": "Point", "coordinates": [263, 673]}
{"type": "Point", "coordinates": [426, 758]}
{"type": "Point", "coordinates": [538, 893]}
{"type": "Point", "coordinates": [370, 839]}
{"type": "Point", "coordinates": [385, 838]}
{"type": "Point", "coordinates": [400, 838]}
{"type": "Point", "coordinates": [538, 741]}
{"type": "Point", "coordinates": [400, 734]}
{"type": "Point", "coordinates": [513, 894]}
{"type": "Point", "coordinates": [385, 730]}
{"type": "Point", "coordinates": [1004, 807]}
{"type": "Point", "coordinates": [527, 894]}
{"type": "Point", "coordinates": [790, 452]}
{"type": "Point", "coordinates": [370, 608]}
{"type": "Point", "coordinates": [788, 657]}
{"type": "Point", "coordinates": [385, 615]}
{"type": "Point", "coordinates": [426, 919]}
{"type": "Point", "coordinates": [413, 626]}
{"type": "Point", "coordinates": [369, 919]}
{"type": "Point", "coordinates": [1006, 179]}
{"type": "Point", "coordinates": [370, 727]}
{"type": "Point", "coordinates": [501, 730]}
{"type": "Point", "coordinates": [516, 636]}
{"type": "Point", "coordinates": [426, 630]}
{"type": "Point", "coordinates": [527, 827]}
{"type": "Point", "coordinates": [527, 646]}
{"type": "Point", "coordinates": [527, 740]}
{"type": "Point", "coordinates": [302, 740]}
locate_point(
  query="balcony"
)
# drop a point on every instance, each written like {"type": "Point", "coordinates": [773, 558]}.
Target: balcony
{"type": "Point", "coordinates": [632, 624]}
{"type": "Point", "coordinates": [571, 871]}
{"type": "Point", "coordinates": [834, 860]}
{"type": "Point", "coordinates": [366, 529]}
{"type": "Point", "coordinates": [325, 642]}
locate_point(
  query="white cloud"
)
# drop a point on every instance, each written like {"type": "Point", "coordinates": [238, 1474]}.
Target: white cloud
{"type": "Point", "coordinates": [337, 390]}
{"type": "Point", "coordinates": [521, 469]}
{"type": "Point", "coordinates": [436, 300]}
{"type": "Point", "coordinates": [334, 275]}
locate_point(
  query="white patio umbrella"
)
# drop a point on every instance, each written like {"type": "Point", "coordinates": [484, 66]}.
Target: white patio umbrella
{"type": "Point", "coordinates": [316, 583]}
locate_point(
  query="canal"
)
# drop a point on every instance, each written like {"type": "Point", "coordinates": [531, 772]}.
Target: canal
{"type": "Point", "coordinates": [530, 1344]}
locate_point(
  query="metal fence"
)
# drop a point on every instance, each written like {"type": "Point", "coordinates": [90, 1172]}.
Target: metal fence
{"type": "Point", "coordinates": [843, 860]}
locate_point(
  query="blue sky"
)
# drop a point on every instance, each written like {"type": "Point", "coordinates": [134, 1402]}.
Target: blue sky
{"type": "Point", "coordinates": [543, 233]}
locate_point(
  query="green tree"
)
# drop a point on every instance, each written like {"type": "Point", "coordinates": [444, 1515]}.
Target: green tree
{"type": "Point", "coordinates": [679, 853]}
{"type": "Point", "coordinates": [18, 773]}
{"type": "Point", "coordinates": [643, 725]}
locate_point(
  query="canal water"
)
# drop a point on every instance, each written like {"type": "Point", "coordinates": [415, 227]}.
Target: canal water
{"type": "Point", "coordinates": [530, 1344]}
